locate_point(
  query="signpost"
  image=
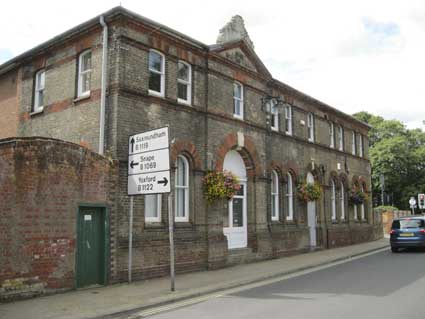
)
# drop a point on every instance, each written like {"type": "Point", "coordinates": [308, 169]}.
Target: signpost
{"type": "Point", "coordinates": [149, 173]}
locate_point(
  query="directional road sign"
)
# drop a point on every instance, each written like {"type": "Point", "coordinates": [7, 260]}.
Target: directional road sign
{"type": "Point", "coordinates": [149, 162]}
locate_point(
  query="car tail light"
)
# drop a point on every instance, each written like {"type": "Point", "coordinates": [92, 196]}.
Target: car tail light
{"type": "Point", "coordinates": [422, 231]}
{"type": "Point", "coordinates": [392, 231]}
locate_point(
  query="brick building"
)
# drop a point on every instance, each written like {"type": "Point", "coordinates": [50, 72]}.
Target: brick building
{"type": "Point", "coordinates": [211, 96]}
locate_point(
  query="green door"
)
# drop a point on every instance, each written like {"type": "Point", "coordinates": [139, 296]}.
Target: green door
{"type": "Point", "coordinates": [91, 263]}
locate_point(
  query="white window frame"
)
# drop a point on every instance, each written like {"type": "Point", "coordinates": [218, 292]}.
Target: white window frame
{"type": "Point", "coordinates": [240, 99]}
{"type": "Point", "coordinates": [362, 208]}
{"type": "Point", "coordinates": [361, 151]}
{"type": "Point", "coordinates": [353, 143]}
{"type": "Point", "coordinates": [341, 138]}
{"type": "Point", "coordinates": [333, 200]}
{"type": "Point", "coordinates": [288, 120]}
{"type": "Point", "coordinates": [275, 196]}
{"type": "Point", "coordinates": [161, 73]}
{"type": "Point", "coordinates": [310, 127]}
{"type": "Point", "coordinates": [185, 217]}
{"type": "Point", "coordinates": [188, 84]}
{"type": "Point", "coordinates": [342, 199]}
{"type": "Point", "coordinates": [157, 218]}
{"type": "Point", "coordinates": [81, 73]}
{"type": "Point", "coordinates": [274, 118]}
{"type": "Point", "coordinates": [356, 215]}
{"type": "Point", "coordinates": [290, 197]}
{"type": "Point", "coordinates": [331, 135]}
{"type": "Point", "coordinates": [39, 87]}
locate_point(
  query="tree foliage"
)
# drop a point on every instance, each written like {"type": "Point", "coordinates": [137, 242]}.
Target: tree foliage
{"type": "Point", "coordinates": [399, 154]}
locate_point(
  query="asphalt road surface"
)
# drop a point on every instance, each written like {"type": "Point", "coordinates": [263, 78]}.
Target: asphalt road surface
{"type": "Point", "coordinates": [382, 285]}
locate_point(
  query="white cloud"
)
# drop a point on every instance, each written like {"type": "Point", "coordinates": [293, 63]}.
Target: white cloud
{"type": "Point", "coordinates": [354, 55]}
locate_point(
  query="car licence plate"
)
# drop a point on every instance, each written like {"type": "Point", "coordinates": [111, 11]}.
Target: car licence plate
{"type": "Point", "coordinates": [406, 235]}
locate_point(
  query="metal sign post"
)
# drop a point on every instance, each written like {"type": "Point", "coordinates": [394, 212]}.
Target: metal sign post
{"type": "Point", "coordinates": [130, 241]}
{"type": "Point", "coordinates": [148, 173]}
{"type": "Point", "coordinates": [171, 235]}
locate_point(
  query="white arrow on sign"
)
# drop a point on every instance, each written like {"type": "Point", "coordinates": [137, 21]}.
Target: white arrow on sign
{"type": "Point", "coordinates": [150, 183]}
{"type": "Point", "coordinates": [148, 141]}
{"type": "Point", "coordinates": [149, 162]}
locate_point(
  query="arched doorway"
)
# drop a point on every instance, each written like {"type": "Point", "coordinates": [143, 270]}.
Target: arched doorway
{"type": "Point", "coordinates": [236, 228]}
{"type": "Point", "coordinates": [311, 214]}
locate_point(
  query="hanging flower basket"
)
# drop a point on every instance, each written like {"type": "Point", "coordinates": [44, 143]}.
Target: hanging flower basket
{"type": "Point", "coordinates": [356, 196]}
{"type": "Point", "coordinates": [307, 192]}
{"type": "Point", "coordinates": [220, 185]}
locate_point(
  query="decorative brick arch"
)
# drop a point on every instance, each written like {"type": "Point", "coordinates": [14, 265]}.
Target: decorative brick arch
{"type": "Point", "coordinates": [293, 168]}
{"type": "Point", "coordinates": [186, 148]}
{"type": "Point", "coordinates": [334, 176]}
{"type": "Point", "coordinates": [362, 182]}
{"type": "Point", "coordinates": [344, 179]}
{"type": "Point", "coordinates": [248, 153]}
{"type": "Point", "coordinates": [355, 181]}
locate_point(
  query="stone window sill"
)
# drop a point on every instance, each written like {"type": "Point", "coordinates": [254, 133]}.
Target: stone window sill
{"type": "Point", "coordinates": [34, 113]}
{"type": "Point", "coordinates": [82, 97]}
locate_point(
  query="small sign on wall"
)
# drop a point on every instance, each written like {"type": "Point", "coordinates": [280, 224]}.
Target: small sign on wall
{"type": "Point", "coordinates": [87, 217]}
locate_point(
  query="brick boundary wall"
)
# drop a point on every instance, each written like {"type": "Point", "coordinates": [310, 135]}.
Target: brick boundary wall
{"type": "Point", "coordinates": [43, 182]}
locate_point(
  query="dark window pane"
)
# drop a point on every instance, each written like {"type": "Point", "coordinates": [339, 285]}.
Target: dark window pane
{"type": "Point", "coordinates": [155, 61]}
{"type": "Point", "coordinates": [182, 91]}
{"type": "Point", "coordinates": [183, 72]}
{"type": "Point", "coordinates": [155, 82]}
{"type": "Point", "coordinates": [237, 212]}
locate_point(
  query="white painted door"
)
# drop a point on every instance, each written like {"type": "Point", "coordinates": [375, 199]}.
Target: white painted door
{"type": "Point", "coordinates": [236, 230]}
{"type": "Point", "coordinates": [236, 233]}
{"type": "Point", "coordinates": [311, 215]}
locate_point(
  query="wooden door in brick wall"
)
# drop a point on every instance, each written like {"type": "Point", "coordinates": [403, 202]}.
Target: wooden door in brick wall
{"type": "Point", "coordinates": [91, 250]}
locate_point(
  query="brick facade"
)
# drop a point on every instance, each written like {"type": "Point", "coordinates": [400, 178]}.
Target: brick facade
{"type": "Point", "coordinates": [203, 132]}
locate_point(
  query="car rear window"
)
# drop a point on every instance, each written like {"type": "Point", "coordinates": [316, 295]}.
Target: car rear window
{"type": "Point", "coordinates": [408, 223]}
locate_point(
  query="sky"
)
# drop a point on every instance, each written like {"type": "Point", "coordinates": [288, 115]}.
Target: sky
{"type": "Point", "coordinates": [361, 55]}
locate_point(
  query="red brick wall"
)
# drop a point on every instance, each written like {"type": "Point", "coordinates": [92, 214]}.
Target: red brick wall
{"type": "Point", "coordinates": [42, 183]}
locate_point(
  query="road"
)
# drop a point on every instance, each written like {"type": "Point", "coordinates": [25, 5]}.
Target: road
{"type": "Point", "coordinates": [381, 285]}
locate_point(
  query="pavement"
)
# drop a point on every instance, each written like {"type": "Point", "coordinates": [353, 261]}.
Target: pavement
{"type": "Point", "coordinates": [119, 299]}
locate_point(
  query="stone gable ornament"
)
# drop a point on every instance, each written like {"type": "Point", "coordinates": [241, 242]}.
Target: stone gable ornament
{"type": "Point", "coordinates": [234, 31]}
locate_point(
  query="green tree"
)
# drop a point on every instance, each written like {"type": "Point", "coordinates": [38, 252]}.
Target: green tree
{"type": "Point", "coordinates": [399, 154]}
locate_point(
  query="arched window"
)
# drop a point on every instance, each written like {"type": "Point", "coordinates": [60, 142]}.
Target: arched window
{"type": "Point", "coordinates": [333, 200]}
{"type": "Point", "coordinates": [184, 83]}
{"type": "Point", "coordinates": [290, 197]}
{"type": "Point", "coordinates": [342, 201]}
{"type": "Point", "coordinates": [182, 189]}
{"type": "Point", "coordinates": [275, 195]}
{"type": "Point", "coordinates": [362, 210]}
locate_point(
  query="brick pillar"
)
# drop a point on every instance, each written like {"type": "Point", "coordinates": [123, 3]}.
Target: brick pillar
{"type": "Point", "coordinates": [217, 242]}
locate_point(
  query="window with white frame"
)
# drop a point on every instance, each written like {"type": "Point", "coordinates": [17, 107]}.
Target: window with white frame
{"type": "Point", "coordinates": [184, 83]}
{"type": "Point", "coordinates": [84, 74]}
{"type": "Point", "coordinates": [290, 197]}
{"type": "Point", "coordinates": [340, 138]}
{"type": "Point", "coordinates": [288, 120]}
{"type": "Point", "coordinates": [342, 201]}
{"type": "Point", "coordinates": [153, 208]}
{"type": "Point", "coordinates": [237, 100]}
{"type": "Point", "coordinates": [275, 195]}
{"type": "Point", "coordinates": [361, 152]}
{"type": "Point", "coordinates": [156, 73]}
{"type": "Point", "coordinates": [333, 200]}
{"type": "Point", "coordinates": [310, 127]}
{"type": "Point", "coordinates": [331, 135]}
{"type": "Point", "coordinates": [182, 189]}
{"type": "Point", "coordinates": [362, 208]}
{"type": "Point", "coordinates": [274, 117]}
{"type": "Point", "coordinates": [353, 143]}
{"type": "Point", "coordinates": [39, 91]}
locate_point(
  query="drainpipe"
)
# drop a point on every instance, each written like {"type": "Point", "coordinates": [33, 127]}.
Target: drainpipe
{"type": "Point", "coordinates": [103, 86]}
